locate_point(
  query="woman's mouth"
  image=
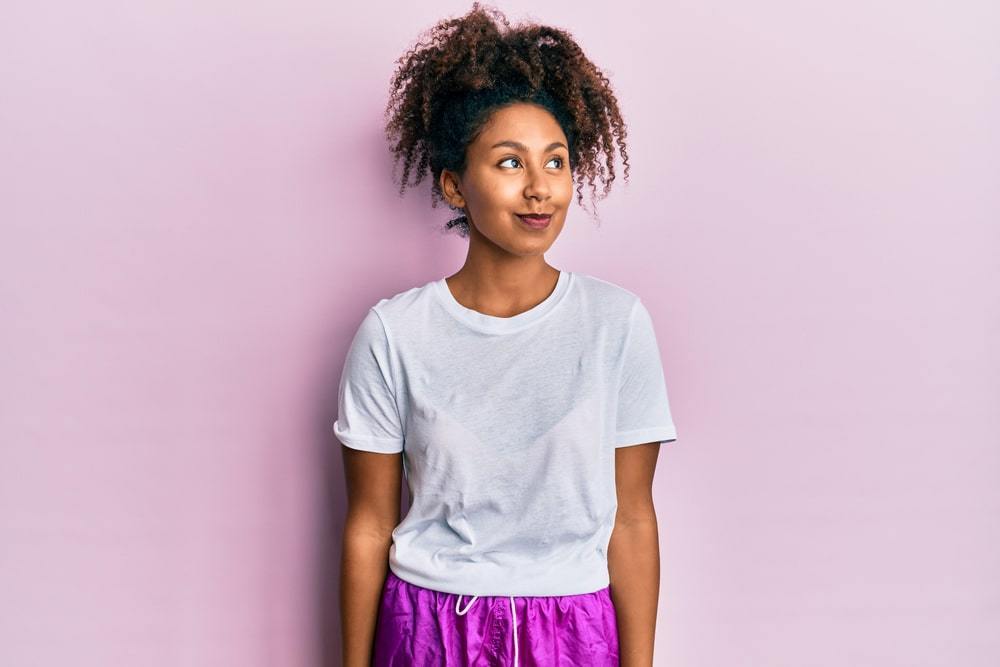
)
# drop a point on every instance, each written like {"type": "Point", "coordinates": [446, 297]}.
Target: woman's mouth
{"type": "Point", "coordinates": [535, 221]}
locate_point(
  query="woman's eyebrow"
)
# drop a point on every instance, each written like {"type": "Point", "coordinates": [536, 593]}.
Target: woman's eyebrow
{"type": "Point", "coordinates": [521, 147]}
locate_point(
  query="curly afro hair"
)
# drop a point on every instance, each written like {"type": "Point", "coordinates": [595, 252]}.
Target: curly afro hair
{"type": "Point", "coordinates": [445, 88]}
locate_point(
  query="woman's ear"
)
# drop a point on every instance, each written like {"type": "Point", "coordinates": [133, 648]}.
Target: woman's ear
{"type": "Point", "coordinates": [450, 189]}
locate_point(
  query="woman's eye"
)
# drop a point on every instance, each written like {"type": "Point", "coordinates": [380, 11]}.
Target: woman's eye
{"type": "Point", "coordinates": [518, 161]}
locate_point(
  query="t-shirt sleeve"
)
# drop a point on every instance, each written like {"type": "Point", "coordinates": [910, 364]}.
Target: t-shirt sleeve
{"type": "Point", "coordinates": [367, 417]}
{"type": "Point", "coordinates": [643, 406]}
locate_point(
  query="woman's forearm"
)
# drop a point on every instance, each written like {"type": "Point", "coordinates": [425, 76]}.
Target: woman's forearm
{"type": "Point", "coordinates": [364, 566]}
{"type": "Point", "coordinates": [634, 567]}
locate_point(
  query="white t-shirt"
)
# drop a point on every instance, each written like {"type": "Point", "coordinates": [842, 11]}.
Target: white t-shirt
{"type": "Point", "coordinates": [508, 428]}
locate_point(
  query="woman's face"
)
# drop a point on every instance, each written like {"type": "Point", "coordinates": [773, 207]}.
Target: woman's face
{"type": "Point", "coordinates": [518, 164]}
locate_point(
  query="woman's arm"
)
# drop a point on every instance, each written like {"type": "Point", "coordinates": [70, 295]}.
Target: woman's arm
{"type": "Point", "coordinates": [634, 554]}
{"type": "Point", "coordinates": [373, 492]}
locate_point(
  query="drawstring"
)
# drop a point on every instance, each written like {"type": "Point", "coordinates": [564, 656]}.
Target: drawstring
{"type": "Point", "coordinates": [513, 615]}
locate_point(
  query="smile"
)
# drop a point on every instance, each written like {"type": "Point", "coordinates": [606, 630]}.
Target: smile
{"type": "Point", "coordinates": [535, 221]}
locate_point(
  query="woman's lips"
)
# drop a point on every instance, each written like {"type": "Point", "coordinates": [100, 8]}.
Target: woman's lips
{"type": "Point", "coordinates": [535, 221]}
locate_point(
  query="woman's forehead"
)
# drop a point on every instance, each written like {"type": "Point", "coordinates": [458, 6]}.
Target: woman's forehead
{"type": "Point", "coordinates": [521, 127]}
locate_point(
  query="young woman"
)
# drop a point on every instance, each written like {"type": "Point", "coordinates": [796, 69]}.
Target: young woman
{"type": "Point", "coordinates": [524, 404]}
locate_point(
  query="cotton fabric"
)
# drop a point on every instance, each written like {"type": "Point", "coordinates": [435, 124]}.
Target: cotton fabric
{"type": "Point", "coordinates": [508, 428]}
{"type": "Point", "coordinates": [418, 627]}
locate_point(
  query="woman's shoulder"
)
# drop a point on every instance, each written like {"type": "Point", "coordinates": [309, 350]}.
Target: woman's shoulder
{"type": "Point", "coordinates": [609, 298]}
{"type": "Point", "coordinates": [404, 300]}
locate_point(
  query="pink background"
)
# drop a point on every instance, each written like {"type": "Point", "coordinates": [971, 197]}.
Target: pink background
{"type": "Point", "coordinates": [197, 211]}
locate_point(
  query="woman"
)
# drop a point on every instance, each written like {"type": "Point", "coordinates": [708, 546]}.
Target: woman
{"type": "Point", "coordinates": [524, 404]}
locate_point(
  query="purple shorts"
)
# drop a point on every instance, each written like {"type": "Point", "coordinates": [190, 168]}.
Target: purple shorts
{"type": "Point", "coordinates": [420, 627]}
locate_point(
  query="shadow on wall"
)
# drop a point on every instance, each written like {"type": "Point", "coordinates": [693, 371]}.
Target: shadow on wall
{"type": "Point", "coordinates": [427, 245]}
